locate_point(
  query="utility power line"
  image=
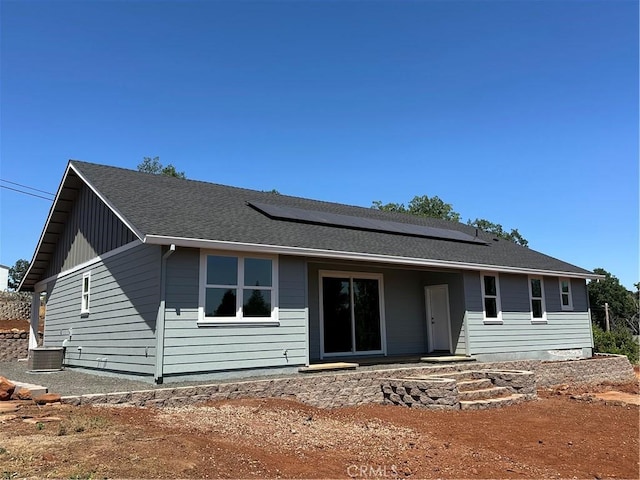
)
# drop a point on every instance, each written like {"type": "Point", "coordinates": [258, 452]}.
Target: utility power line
{"type": "Point", "coordinates": [27, 193]}
{"type": "Point", "coordinates": [27, 187]}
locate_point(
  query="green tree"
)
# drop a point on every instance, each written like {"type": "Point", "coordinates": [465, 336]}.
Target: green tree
{"type": "Point", "coordinates": [153, 165]}
{"type": "Point", "coordinates": [623, 309]}
{"type": "Point", "coordinates": [17, 273]}
{"type": "Point", "coordinates": [423, 206]}
{"type": "Point", "coordinates": [618, 341]}
{"type": "Point", "coordinates": [435, 207]}
{"type": "Point", "coordinates": [497, 230]}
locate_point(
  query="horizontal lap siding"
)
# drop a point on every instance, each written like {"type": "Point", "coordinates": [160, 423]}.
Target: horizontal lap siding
{"type": "Point", "coordinates": [563, 330]}
{"type": "Point", "coordinates": [119, 332]}
{"type": "Point", "coordinates": [189, 348]}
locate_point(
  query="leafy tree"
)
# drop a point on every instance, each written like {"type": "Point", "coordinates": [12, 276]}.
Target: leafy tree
{"type": "Point", "coordinates": [618, 341]}
{"type": "Point", "coordinates": [423, 206]}
{"type": "Point", "coordinates": [17, 272]}
{"type": "Point", "coordinates": [623, 308]}
{"type": "Point", "coordinates": [497, 230]}
{"type": "Point", "coordinates": [153, 165]}
{"type": "Point", "coordinates": [435, 207]}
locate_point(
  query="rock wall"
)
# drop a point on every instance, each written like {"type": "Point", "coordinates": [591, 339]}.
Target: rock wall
{"type": "Point", "coordinates": [13, 345]}
{"type": "Point", "coordinates": [15, 309]}
{"type": "Point", "coordinates": [344, 389]}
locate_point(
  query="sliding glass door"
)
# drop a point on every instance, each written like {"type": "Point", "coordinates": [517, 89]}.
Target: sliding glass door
{"type": "Point", "coordinates": [351, 313]}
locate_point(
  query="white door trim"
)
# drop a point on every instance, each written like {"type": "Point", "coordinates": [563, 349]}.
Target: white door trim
{"type": "Point", "coordinates": [383, 329]}
{"type": "Point", "coordinates": [427, 296]}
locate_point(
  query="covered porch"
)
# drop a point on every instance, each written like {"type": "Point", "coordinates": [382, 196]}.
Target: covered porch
{"type": "Point", "coordinates": [376, 314]}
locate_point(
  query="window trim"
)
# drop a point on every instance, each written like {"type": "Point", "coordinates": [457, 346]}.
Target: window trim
{"type": "Point", "coordinates": [541, 298]}
{"type": "Point", "coordinates": [383, 329]}
{"type": "Point", "coordinates": [85, 305]}
{"type": "Point", "coordinates": [569, 306]}
{"type": "Point", "coordinates": [490, 320]}
{"type": "Point", "coordinates": [238, 320]}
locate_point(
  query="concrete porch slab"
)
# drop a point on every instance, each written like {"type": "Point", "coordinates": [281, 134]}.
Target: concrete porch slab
{"type": "Point", "coordinates": [325, 367]}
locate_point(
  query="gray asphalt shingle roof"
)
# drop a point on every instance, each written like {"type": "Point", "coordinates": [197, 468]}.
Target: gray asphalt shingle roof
{"type": "Point", "coordinates": [167, 206]}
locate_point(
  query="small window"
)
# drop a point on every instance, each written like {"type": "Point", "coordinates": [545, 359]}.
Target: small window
{"type": "Point", "coordinates": [491, 299]}
{"type": "Point", "coordinates": [237, 289]}
{"type": "Point", "coordinates": [566, 299]}
{"type": "Point", "coordinates": [86, 292]}
{"type": "Point", "coordinates": [536, 289]}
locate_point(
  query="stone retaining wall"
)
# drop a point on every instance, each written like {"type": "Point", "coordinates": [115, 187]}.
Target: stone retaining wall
{"type": "Point", "coordinates": [423, 392]}
{"type": "Point", "coordinates": [15, 309]}
{"type": "Point", "coordinates": [13, 345]}
{"type": "Point", "coordinates": [360, 387]}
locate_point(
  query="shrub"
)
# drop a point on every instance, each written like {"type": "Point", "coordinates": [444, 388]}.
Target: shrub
{"type": "Point", "coordinates": [618, 341]}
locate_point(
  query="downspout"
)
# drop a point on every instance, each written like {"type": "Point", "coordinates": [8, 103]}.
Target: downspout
{"type": "Point", "coordinates": [161, 316]}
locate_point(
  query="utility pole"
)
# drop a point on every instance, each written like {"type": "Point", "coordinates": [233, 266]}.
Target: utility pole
{"type": "Point", "coordinates": [606, 316]}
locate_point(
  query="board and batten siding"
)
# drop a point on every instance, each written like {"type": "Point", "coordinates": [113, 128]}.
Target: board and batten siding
{"type": "Point", "coordinates": [90, 230]}
{"type": "Point", "coordinates": [517, 334]}
{"type": "Point", "coordinates": [190, 349]}
{"type": "Point", "coordinates": [118, 333]}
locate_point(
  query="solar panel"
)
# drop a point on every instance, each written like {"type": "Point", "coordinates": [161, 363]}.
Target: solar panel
{"type": "Point", "coordinates": [281, 212]}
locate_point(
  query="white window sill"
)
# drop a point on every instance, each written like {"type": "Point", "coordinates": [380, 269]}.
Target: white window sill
{"type": "Point", "coordinates": [492, 321]}
{"type": "Point", "coordinates": [539, 321]}
{"type": "Point", "coordinates": [245, 322]}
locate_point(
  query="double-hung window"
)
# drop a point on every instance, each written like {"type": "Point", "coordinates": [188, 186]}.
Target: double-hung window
{"type": "Point", "coordinates": [566, 299]}
{"type": "Point", "coordinates": [536, 295]}
{"type": "Point", "coordinates": [86, 293]}
{"type": "Point", "coordinates": [491, 298]}
{"type": "Point", "coordinates": [237, 289]}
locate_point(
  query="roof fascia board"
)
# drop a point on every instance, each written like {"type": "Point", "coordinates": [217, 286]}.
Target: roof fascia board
{"type": "Point", "coordinates": [104, 200]}
{"type": "Point", "coordinates": [370, 257]}
{"type": "Point", "coordinates": [42, 283]}
{"type": "Point", "coordinates": [46, 225]}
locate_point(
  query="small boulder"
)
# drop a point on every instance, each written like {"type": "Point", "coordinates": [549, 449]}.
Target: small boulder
{"type": "Point", "coordinates": [6, 389]}
{"type": "Point", "coordinates": [47, 398]}
{"type": "Point", "coordinates": [23, 394]}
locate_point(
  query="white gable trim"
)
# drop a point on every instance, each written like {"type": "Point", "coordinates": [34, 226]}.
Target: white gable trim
{"type": "Point", "coordinates": [104, 200]}
{"type": "Point", "coordinates": [369, 257]}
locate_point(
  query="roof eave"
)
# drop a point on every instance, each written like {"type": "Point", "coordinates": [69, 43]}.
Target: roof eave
{"type": "Point", "coordinates": [29, 287]}
{"type": "Point", "coordinates": [344, 255]}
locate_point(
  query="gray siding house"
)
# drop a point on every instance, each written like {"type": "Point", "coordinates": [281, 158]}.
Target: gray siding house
{"type": "Point", "coordinates": [170, 278]}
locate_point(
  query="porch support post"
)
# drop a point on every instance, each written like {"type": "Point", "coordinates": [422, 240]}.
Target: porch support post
{"type": "Point", "coordinates": [34, 320]}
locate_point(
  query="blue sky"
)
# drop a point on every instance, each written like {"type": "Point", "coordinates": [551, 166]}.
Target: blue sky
{"type": "Point", "coordinates": [521, 112]}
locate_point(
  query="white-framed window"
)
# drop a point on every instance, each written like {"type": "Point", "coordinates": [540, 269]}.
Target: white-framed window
{"type": "Point", "coordinates": [238, 289]}
{"type": "Point", "coordinates": [86, 293]}
{"type": "Point", "coordinates": [566, 298]}
{"type": "Point", "coordinates": [536, 296]}
{"type": "Point", "coordinates": [491, 306]}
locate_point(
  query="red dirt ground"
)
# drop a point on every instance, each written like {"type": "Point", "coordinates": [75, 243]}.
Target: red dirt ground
{"type": "Point", "coordinates": [559, 435]}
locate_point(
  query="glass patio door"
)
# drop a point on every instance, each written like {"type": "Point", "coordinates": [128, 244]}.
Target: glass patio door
{"type": "Point", "coordinates": [351, 314]}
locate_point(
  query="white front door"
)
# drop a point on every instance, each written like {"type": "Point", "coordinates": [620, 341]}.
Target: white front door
{"type": "Point", "coordinates": [438, 322]}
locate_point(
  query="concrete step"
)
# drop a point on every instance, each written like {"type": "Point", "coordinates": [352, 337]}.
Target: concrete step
{"type": "Point", "coordinates": [460, 375]}
{"type": "Point", "coordinates": [485, 393]}
{"type": "Point", "coordinates": [36, 390]}
{"type": "Point", "coordinates": [466, 385]}
{"type": "Point", "coordinates": [492, 402]}
{"type": "Point", "coordinates": [325, 367]}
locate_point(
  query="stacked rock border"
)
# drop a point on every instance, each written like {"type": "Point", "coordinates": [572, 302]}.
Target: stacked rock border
{"type": "Point", "coordinates": [366, 386]}
{"type": "Point", "coordinates": [466, 390]}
